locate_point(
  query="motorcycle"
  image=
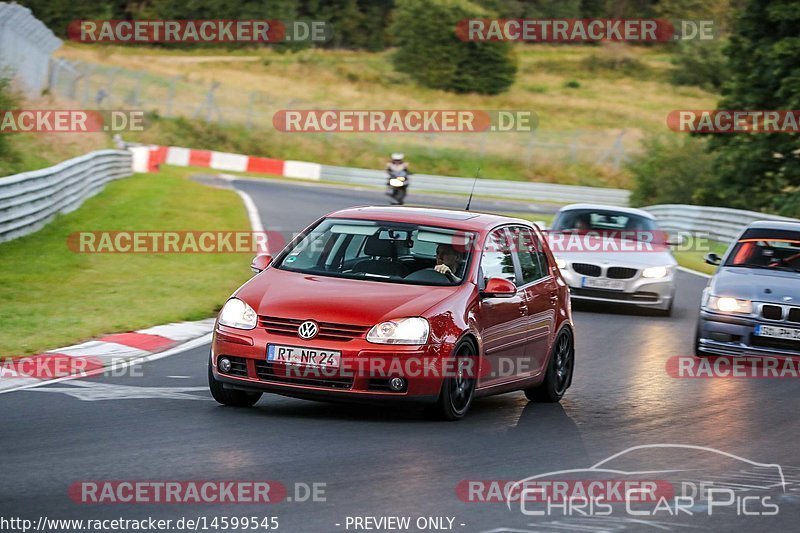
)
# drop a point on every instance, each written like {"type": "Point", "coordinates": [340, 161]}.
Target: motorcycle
{"type": "Point", "coordinates": [397, 185]}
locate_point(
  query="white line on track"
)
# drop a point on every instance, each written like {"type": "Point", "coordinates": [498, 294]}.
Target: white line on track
{"type": "Point", "coordinates": [695, 272]}
{"type": "Point", "coordinates": [199, 341]}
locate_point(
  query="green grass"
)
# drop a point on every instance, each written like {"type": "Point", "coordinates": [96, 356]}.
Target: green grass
{"type": "Point", "coordinates": [693, 258]}
{"type": "Point", "coordinates": [615, 88]}
{"type": "Point", "coordinates": [51, 296]}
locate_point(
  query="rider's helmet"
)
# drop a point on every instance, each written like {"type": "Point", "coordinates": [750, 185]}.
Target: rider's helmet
{"type": "Point", "coordinates": [397, 157]}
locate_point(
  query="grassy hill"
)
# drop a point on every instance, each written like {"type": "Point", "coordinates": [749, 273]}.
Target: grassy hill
{"type": "Point", "coordinates": [594, 103]}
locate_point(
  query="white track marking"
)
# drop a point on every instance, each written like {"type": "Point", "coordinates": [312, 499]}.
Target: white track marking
{"type": "Point", "coordinates": [200, 341]}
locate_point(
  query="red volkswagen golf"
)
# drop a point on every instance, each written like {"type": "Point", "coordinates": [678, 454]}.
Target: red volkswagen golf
{"type": "Point", "coordinates": [399, 304]}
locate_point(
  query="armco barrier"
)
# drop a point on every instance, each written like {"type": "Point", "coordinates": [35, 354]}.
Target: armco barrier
{"type": "Point", "coordinates": [148, 158]}
{"type": "Point", "coordinates": [518, 190]}
{"type": "Point", "coordinates": [30, 200]}
{"type": "Point", "coordinates": [718, 223]}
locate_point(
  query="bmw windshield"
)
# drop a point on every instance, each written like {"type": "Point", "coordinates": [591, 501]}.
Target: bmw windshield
{"type": "Point", "coordinates": [381, 251]}
{"type": "Point", "coordinates": [778, 250]}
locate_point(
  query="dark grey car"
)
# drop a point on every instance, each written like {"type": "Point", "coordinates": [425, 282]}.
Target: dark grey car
{"type": "Point", "coordinates": [752, 303]}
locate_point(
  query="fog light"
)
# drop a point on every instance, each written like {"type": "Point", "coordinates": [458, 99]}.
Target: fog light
{"type": "Point", "coordinates": [397, 384]}
{"type": "Point", "coordinates": [224, 364]}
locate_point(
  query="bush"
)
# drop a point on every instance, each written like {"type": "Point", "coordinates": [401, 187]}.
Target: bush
{"type": "Point", "coordinates": [672, 169]}
{"type": "Point", "coordinates": [9, 156]}
{"type": "Point", "coordinates": [700, 63]}
{"type": "Point", "coordinates": [430, 52]}
{"type": "Point", "coordinates": [616, 60]}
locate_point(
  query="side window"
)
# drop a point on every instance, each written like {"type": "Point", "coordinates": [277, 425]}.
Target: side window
{"type": "Point", "coordinates": [527, 248]}
{"type": "Point", "coordinates": [496, 261]}
{"type": "Point", "coordinates": [354, 246]}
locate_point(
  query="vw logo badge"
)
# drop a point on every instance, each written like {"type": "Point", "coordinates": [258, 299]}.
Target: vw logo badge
{"type": "Point", "coordinates": [308, 330]}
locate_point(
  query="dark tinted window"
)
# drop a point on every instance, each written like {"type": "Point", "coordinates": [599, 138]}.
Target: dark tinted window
{"type": "Point", "coordinates": [496, 261]}
{"type": "Point", "coordinates": [527, 248]}
{"type": "Point", "coordinates": [601, 220]}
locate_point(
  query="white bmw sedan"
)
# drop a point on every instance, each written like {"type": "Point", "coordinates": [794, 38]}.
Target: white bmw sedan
{"type": "Point", "coordinates": [615, 255]}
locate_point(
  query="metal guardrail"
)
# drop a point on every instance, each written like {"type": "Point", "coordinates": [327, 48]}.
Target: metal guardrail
{"type": "Point", "coordinates": [520, 190]}
{"type": "Point", "coordinates": [30, 200]}
{"type": "Point", "coordinates": [718, 223]}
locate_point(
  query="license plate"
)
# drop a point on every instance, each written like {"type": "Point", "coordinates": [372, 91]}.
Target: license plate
{"type": "Point", "coordinates": [296, 355]}
{"type": "Point", "coordinates": [778, 332]}
{"type": "Point", "coordinates": [603, 283]}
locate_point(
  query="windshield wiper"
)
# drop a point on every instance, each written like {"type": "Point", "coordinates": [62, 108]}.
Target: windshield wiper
{"type": "Point", "coordinates": [766, 267]}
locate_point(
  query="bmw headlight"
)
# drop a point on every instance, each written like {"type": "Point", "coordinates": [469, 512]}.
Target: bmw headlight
{"type": "Point", "coordinates": [412, 330]}
{"type": "Point", "coordinates": [237, 314]}
{"type": "Point", "coordinates": [655, 272]}
{"type": "Point", "coordinates": [561, 264]}
{"type": "Point", "coordinates": [727, 304]}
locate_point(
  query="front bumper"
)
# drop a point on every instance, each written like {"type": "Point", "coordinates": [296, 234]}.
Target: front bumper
{"type": "Point", "coordinates": [638, 291]}
{"type": "Point", "coordinates": [722, 334]}
{"type": "Point", "coordinates": [364, 372]}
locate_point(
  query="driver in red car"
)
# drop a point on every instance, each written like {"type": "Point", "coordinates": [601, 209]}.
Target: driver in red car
{"type": "Point", "coordinates": [447, 261]}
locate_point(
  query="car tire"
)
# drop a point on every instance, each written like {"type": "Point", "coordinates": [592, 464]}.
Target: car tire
{"type": "Point", "coordinates": [457, 392]}
{"type": "Point", "coordinates": [558, 376]}
{"type": "Point", "coordinates": [230, 397]}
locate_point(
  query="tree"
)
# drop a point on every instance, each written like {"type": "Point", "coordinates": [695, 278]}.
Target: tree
{"type": "Point", "coordinates": [430, 52]}
{"type": "Point", "coordinates": [672, 168]}
{"type": "Point", "coordinates": [759, 170]}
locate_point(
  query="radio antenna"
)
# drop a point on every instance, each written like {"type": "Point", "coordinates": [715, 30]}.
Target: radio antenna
{"type": "Point", "coordinates": [474, 182]}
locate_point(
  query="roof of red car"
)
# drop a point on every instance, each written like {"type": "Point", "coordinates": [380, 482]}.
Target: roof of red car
{"type": "Point", "coordinates": [450, 218]}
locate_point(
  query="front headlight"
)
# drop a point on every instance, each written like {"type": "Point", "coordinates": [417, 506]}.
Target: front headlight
{"type": "Point", "coordinates": [727, 304]}
{"type": "Point", "coordinates": [655, 272]}
{"type": "Point", "coordinates": [400, 331]}
{"type": "Point", "coordinates": [561, 264]}
{"type": "Point", "coordinates": [237, 314]}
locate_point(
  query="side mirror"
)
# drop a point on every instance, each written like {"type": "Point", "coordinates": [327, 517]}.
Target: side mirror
{"type": "Point", "coordinates": [499, 288]}
{"type": "Point", "coordinates": [260, 262]}
{"type": "Point", "coordinates": [713, 259]}
{"type": "Point", "coordinates": [676, 240]}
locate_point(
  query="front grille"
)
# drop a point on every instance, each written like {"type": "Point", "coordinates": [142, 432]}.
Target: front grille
{"type": "Point", "coordinates": [238, 366]}
{"type": "Point", "coordinates": [586, 269]}
{"type": "Point", "coordinates": [615, 295]}
{"type": "Point", "coordinates": [621, 273]}
{"type": "Point", "coordinates": [299, 375]}
{"type": "Point", "coordinates": [772, 312]}
{"type": "Point", "coordinates": [328, 331]}
{"type": "Point", "coordinates": [794, 314]}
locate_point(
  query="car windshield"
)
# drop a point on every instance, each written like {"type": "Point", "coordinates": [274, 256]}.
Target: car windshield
{"type": "Point", "coordinates": [778, 254]}
{"type": "Point", "coordinates": [381, 251]}
{"type": "Point", "coordinates": [603, 221]}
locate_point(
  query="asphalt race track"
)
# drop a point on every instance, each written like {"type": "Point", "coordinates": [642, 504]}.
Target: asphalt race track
{"type": "Point", "coordinates": [161, 424]}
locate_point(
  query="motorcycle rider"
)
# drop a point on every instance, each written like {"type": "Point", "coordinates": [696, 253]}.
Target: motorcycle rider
{"type": "Point", "coordinates": [397, 166]}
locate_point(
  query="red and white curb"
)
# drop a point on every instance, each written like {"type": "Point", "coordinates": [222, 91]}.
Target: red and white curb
{"type": "Point", "coordinates": [95, 357]}
{"type": "Point", "coordinates": [148, 159]}
{"type": "Point", "coordinates": [114, 352]}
